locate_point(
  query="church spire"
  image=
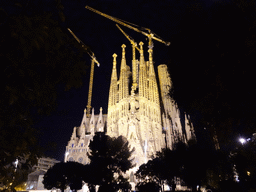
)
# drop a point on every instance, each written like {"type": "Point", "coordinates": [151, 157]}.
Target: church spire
{"type": "Point", "coordinates": [73, 137]}
{"type": "Point", "coordinates": [142, 73]}
{"type": "Point", "coordinates": [123, 63]}
{"type": "Point", "coordinates": [113, 97]}
{"type": "Point", "coordinates": [123, 81]}
{"type": "Point", "coordinates": [151, 76]}
{"type": "Point", "coordinates": [92, 123]}
{"type": "Point", "coordinates": [100, 123]}
{"type": "Point", "coordinates": [83, 125]}
{"type": "Point", "coordinates": [134, 68]}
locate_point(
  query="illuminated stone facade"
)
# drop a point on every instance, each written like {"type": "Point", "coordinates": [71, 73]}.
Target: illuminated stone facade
{"type": "Point", "coordinates": [78, 145]}
{"type": "Point", "coordinates": [176, 125]}
{"type": "Point", "coordinates": [134, 111]}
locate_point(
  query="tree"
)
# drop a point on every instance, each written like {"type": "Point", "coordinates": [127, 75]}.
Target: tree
{"type": "Point", "coordinates": [110, 158]}
{"type": "Point", "coordinates": [62, 175]}
{"type": "Point", "coordinates": [203, 166]}
{"type": "Point", "coordinates": [37, 56]}
{"type": "Point", "coordinates": [166, 167]}
{"type": "Point", "coordinates": [148, 186]}
{"type": "Point", "coordinates": [215, 51]}
{"type": "Point", "coordinates": [195, 166]}
{"type": "Point", "coordinates": [56, 177]}
{"type": "Point", "coordinates": [151, 175]}
{"type": "Point", "coordinates": [244, 157]}
{"type": "Point", "coordinates": [191, 164]}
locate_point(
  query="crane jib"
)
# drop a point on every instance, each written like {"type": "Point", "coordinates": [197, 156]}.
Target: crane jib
{"type": "Point", "coordinates": [150, 35]}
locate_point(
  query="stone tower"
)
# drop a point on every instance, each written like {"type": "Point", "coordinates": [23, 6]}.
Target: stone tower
{"type": "Point", "coordinates": [176, 125]}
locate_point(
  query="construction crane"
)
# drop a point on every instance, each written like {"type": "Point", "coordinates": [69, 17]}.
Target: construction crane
{"type": "Point", "coordinates": [134, 27]}
{"type": "Point", "coordinates": [134, 45]}
{"type": "Point", "coordinates": [129, 38]}
{"type": "Point", "coordinates": [93, 60]}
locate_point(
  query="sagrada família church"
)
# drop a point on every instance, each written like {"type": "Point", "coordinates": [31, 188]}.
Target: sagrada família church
{"type": "Point", "coordinates": [139, 108]}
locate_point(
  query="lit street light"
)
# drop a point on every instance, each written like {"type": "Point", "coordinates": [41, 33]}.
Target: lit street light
{"type": "Point", "coordinates": [242, 140]}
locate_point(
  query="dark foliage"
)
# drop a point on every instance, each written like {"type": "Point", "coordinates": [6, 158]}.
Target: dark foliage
{"type": "Point", "coordinates": [212, 70]}
{"type": "Point", "coordinates": [244, 158]}
{"type": "Point", "coordinates": [189, 164]}
{"type": "Point", "coordinates": [37, 56]}
{"type": "Point", "coordinates": [148, 186]}
{"type": "Point", "coordinates": [110, 158]}
{"type": "Point", "coordinates": [62, 175]}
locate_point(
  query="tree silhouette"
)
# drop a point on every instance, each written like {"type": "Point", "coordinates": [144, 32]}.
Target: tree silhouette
{"type": "Point", "coordinates": [62, 175]}
{"type": "Point", "coordinates": [148, 186]}
{"type": "Point", "coordinates": [244, 157]}
{"type": "Point", "coordinates": [110, 159]}
{"type": "Point", "coordinates": [187, 164]}
{"type": "Point", "coordinates": [36, 57]}
{"type": "Point", "coordinates": [151, 174]}
{"type": "Point", "coordinates": [166, 167]}
{"type": "Point", "coordinates": [212, 60]}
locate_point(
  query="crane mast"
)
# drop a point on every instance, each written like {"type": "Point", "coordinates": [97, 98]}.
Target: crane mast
{"type": "Point", "coordinates": [149, 34]}
{"type": "Point", "coordinates": [90, 90]}
{"type": "Point", "coordinates": [93, 60]}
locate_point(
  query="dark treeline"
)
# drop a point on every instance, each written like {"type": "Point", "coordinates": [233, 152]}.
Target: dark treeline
{"type": "Point", "coordinates": [109, 158]}
{"type": "Point", "coordinates": [212, 68]}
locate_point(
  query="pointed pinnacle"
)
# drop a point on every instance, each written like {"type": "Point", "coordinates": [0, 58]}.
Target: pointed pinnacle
{"type": "Point", "coordinates": [114, 60]}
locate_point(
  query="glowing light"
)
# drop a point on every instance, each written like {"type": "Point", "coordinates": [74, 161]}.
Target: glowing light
{"type": "Point", "coordinates": [248, 173]}
{"type": "Point", "coordinates": [242, 140]}
{"type": "Point", "coordinates": [16, 163]}
{"type": "Point", "coordinates": [66, 154]}
{"type": "Point", "coordinates": [236, 178]}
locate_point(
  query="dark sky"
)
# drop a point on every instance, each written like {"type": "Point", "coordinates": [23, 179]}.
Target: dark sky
{"type": "Point", "coordinates": [170, 19]}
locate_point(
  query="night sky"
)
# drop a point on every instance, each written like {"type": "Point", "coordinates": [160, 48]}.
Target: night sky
{"type": "Point", "coordinates": [193, 32]}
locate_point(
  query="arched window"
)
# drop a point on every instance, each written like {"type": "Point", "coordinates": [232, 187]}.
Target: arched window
{"type": "Point", "coordinates": [80, 160]}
